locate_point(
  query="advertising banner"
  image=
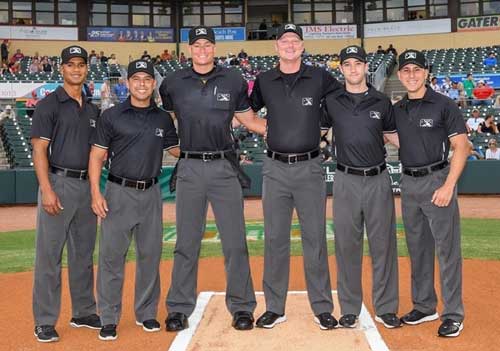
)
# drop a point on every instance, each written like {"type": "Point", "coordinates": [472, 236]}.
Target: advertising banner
{"type": "Point", "coordinates": [493, 79]}
{"type": "Point", "coordinates": [38, 33]}
{"type": "Point", "coordinates": [478, 24]}
{"type": "Point", "coordinates": [221, 34]}
{"type": "Point", "coordinates": [346, 31]}
{"type": "Point", "coordinates": [388, 29]}
{"type": "Point", "coordinates": [131, 34]}
{"type": "Point", "coordinates": [17, 90]}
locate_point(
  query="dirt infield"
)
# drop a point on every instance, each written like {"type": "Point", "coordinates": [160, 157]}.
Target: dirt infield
{"type": "Point", "coordinates": [481, 295]}
{"type": "Point", "coordinates": [24, 217]}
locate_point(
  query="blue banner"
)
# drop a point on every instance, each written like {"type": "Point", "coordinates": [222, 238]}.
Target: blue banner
{"type": "Point", "coordinates": [221, 34]}
{"type": "Point", "coordinates": [131, 34]}
{"type": "Point", "coordinates": [492, 79]}
{"type": "Point", "coordinates": [47, 88]}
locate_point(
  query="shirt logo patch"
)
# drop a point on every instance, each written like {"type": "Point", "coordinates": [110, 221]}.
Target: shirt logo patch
{"type": "Point", "coordinates": [223, 97]}
{"type": "Point", "coordinates": [159, 132]}
{"type": "Point", "coordinates": [75, 50]}
{"type": "Point", "coordinates": [307, 101]}
{"type": "Point", "coordinates": [201, 31]}
{"type": "Point", "coordinates": [92, 123]}
{"type": "Point", "coordinates": [351, 50]}
{"type": "Point", "coordinates": [426, 123]}
{"type": "Point", "coordinates": [141, 64]}
{"type": "Point", "coordinates": [290, 27]}
{"type": "Point", "coordinates": [375, 114]}
{"type": "Point", "coordinates": [410, 55]}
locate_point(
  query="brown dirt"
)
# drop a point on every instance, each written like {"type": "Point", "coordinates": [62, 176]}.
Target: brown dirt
{"type": "Point", "coordinates": [23, 217]}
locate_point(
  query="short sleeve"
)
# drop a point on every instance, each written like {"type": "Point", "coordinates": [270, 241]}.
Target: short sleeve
{"type": "Point", "coordinates": [242, 103]}
{"type": "Point", "coordinates": [325, 120]}
{"type": "Point", "coordinates": [170, 140]}
{"type": "Point", "coordinates": [454, 121]}
{"type": "Point", "coordinates": [166, 99]}
{"type": "Point", "coordinates": [103, 131]}
{"type": "Point", "coordinates": [256, 100]}
{"type": "Point", "coordinates": [43, 123]}
{"type": "Point", "coordinates": [389, 121]}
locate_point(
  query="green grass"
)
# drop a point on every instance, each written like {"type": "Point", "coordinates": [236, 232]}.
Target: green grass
{"type": "Point", "coordinates": [480, 239]}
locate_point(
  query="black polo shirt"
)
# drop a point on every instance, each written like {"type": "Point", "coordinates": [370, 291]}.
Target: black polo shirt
{"type": "Point", "coordinates": [135, 139]}
{"type": "Point", "coordinates": [204, 106]}
{"type": "Point", "coordinates": [425, 126]}
{"type": "Point", "coordinates": [359, 123]}
{"type": "Point", "coordinates": [59, 119]}
{"type": "Point", "coordinates": [293, 106]}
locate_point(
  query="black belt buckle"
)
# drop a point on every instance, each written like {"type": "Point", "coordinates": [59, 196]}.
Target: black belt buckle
{"type": "Point", "coordinates": [369, 172]}
{"type": "Point", "coordinates": [294, 158]}
{"type": "Point", "coordinates": [138, 183]}
{"type": "Point", "coordinates": [204, 157]}
{"type": "Point", "coordinates": [83, 175]}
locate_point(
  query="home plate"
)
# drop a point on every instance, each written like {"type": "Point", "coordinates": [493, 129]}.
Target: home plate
{"type": "Point", "coordinates": [210, 329]}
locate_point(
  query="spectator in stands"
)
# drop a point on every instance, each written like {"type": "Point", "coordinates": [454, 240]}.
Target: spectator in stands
{"type": "Point", "coordinates": [492, 153]}
{"type": "Point", "coordinates": [7, 113]}
{"type": "Point", "coordinates": [103, 58]}
{"type": "Point", "coordinates": [380, 50]}
{"type": "Point", "coordinates": [36, 56]}
{"type": "Point", "coordinates": [31, 103]}
{"type": "Point", "coordinates": [462, 97]}
{"type": "Point", "coordinates": [453, 92]}
{"type": "Point", "coordinates": [474, 121]}
{"type": "Point", "coordinates": [475, 153]}
{"type": "Point", "coordinates": [334, 62]}
{"type": "Point", "coordinates": [165, 56]}
{"type": "Point", "coordinates": [46, 66]}
{"type": "Point", "coordinates": [113, 60]}
{"type": "Point", "coordinates": [157, 60]}
{"type": "Point", "coordinates": [94, 59]}
{"type": "Point", "coordinates": [490, 61]}
{"type": "Point", "coordinates": [488, 126]}
{"type": "Point", "coordinates": [483, 94]}
{"type": "Point", "coordinates": [446, 85]}
{"type": "Point", "coordinates": [174, 55]}
{"type": "Point", "coordinates": [263, 30]}
{"type": "Point", "coordinates": [15, 67]}
{"type": "Point", "coordinates": [34, 67]}
{"type": "Point", "coordinates": [92, 54]}
{"type": "Point", "coordinates": [18, 56]}
{"type": "Point", "coordinates": [242, 55]}
{"type": "Point", "coordinates": [5, 69]}
{"type": "Point", "coordinates": [5, 50]}
{"type": "Point", "coordinates": [145, 56]}
{"type": "Point", "coordinates": [469, 86]}
{"type": "Point", "coordinates": [105, 95]}
{"type": "Point", "coordinates": [434, 85]}
{"type": "Point", "coordinates": [233, 60]}
{"type": "Point", "coordinates": [121, 91]}
{"type": "Point", "coordinates": [183, 58]}
{"type": "Point", "coordinates": [496, 105]}
{"type": "Point", "coordinates": [391, 49]}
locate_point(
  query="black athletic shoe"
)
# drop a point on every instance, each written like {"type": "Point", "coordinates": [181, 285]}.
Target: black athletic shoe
{"type": "Point", "coordinates": [93, 322]}
{"type": "Point", "coordinates": [416, 317]}
{"type": "Point", "coordinates": [450, 328]}
{"type": "Point", "coordinates": [46, 333]}
{"type": "Point", "coordinates": [326, 321]}
{"type": "Point", "coordinates": [176, 322]}
{"type": "Point", "coordinates": [389, 320]}
{"type": "Point", "coordinates": [348, 321]}
{"type": "Point", "coordinates": [269, 320]}
{"type": "Point", "coordinates": [108, 332]}
{"type": "Point", "coordinates": [150, 325]}
{"type": "Point", "coordinates": [243, 320]}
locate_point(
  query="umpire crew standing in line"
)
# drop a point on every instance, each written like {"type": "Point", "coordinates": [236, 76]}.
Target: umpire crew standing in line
{"type": "Point", "coordinates": [360, 116]}
{"type": "Point", "coordinates": [60, 135]}
{"type": "Point", "coordinates": [204, 99]}
{"type": "Point", "coordinates": [428, 123]}
{"type": "Point", "coordinates": [134, 135]}
{"type": "Point", "coordinates": [293, 177]}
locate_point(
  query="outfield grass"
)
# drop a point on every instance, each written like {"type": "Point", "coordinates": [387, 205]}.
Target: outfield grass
{"type": "Point", "coordinates": [480, 239]}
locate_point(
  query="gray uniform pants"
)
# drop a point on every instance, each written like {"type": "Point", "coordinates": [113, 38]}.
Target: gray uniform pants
{"type": "Point", "coordinates": [360, 201]}
{"type": "Point", "coordinates": [428, 227]}
{"type": "Point", "coordinates": [285, 186]}
{"type": "Point", "coordinates": [134, 213]}
{"type": "Point", "coordinates": [77, 226]}
{"type": "Point", "coordinates": [199, 182]}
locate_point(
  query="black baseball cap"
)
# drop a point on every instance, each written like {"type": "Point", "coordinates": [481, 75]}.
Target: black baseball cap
{"type": "Point", "coordinates": [73, 51]}
{"type": "Point", "coordinates": [140, 66]}
{"type": "Point", "coordinates": [289, 28]}
{"type": "Point", "coordinates": [353, 51]}
{"type": "Point", "coordinates": [201, 32]}
{"type": "Point", "coordinates": [412, 57]}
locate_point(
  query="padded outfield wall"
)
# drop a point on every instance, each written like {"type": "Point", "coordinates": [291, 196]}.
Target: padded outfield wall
{"type": "Point", "coordinates": [19, 186]}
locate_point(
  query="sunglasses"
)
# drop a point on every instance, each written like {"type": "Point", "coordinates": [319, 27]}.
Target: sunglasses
{"type": "Point", "coordinates": [490, 144]}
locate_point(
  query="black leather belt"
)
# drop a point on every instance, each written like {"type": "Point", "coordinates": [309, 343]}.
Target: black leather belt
{"type": "Point", "coordinates": [366, 172]}
{"type": "Point", "coordinates": [292, 158]}
{"type": "Point", "coordinates": [136, 184]}
{"type": "Point", "coordinates": [423, 171]}
{"type": "Point", "coordinates": [204, 156]}
{"type": "Point", "coordinates": [71, 173]}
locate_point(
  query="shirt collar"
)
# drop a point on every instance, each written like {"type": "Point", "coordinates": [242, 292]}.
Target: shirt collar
{"type": "Point", "coordinates": [304, 72]}
{"type": "Point", "coordinates": [190, 73]}
{"type": "Point", "coordinates": [372, 92]}
{"type": "Point", "coordinates": [429, 96]}
{"type": "Point", "coordinates": [127, 105]}
{"type": "Point", "coordinates": [63, 96]}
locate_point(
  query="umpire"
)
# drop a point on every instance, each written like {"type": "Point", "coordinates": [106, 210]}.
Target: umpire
{"type": "Point", "coordinates": [134, 135]}
{"type": "Point", "coordinates": [204, 99]}
{"type": "Point", "coordinates": [60, 135]}
{"type": "Point", "coordinates": [293, 177]}
{"type": "Point", "coordinates": [360, 117]}
{"type": "Point", "coordinates": [428, 123]}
